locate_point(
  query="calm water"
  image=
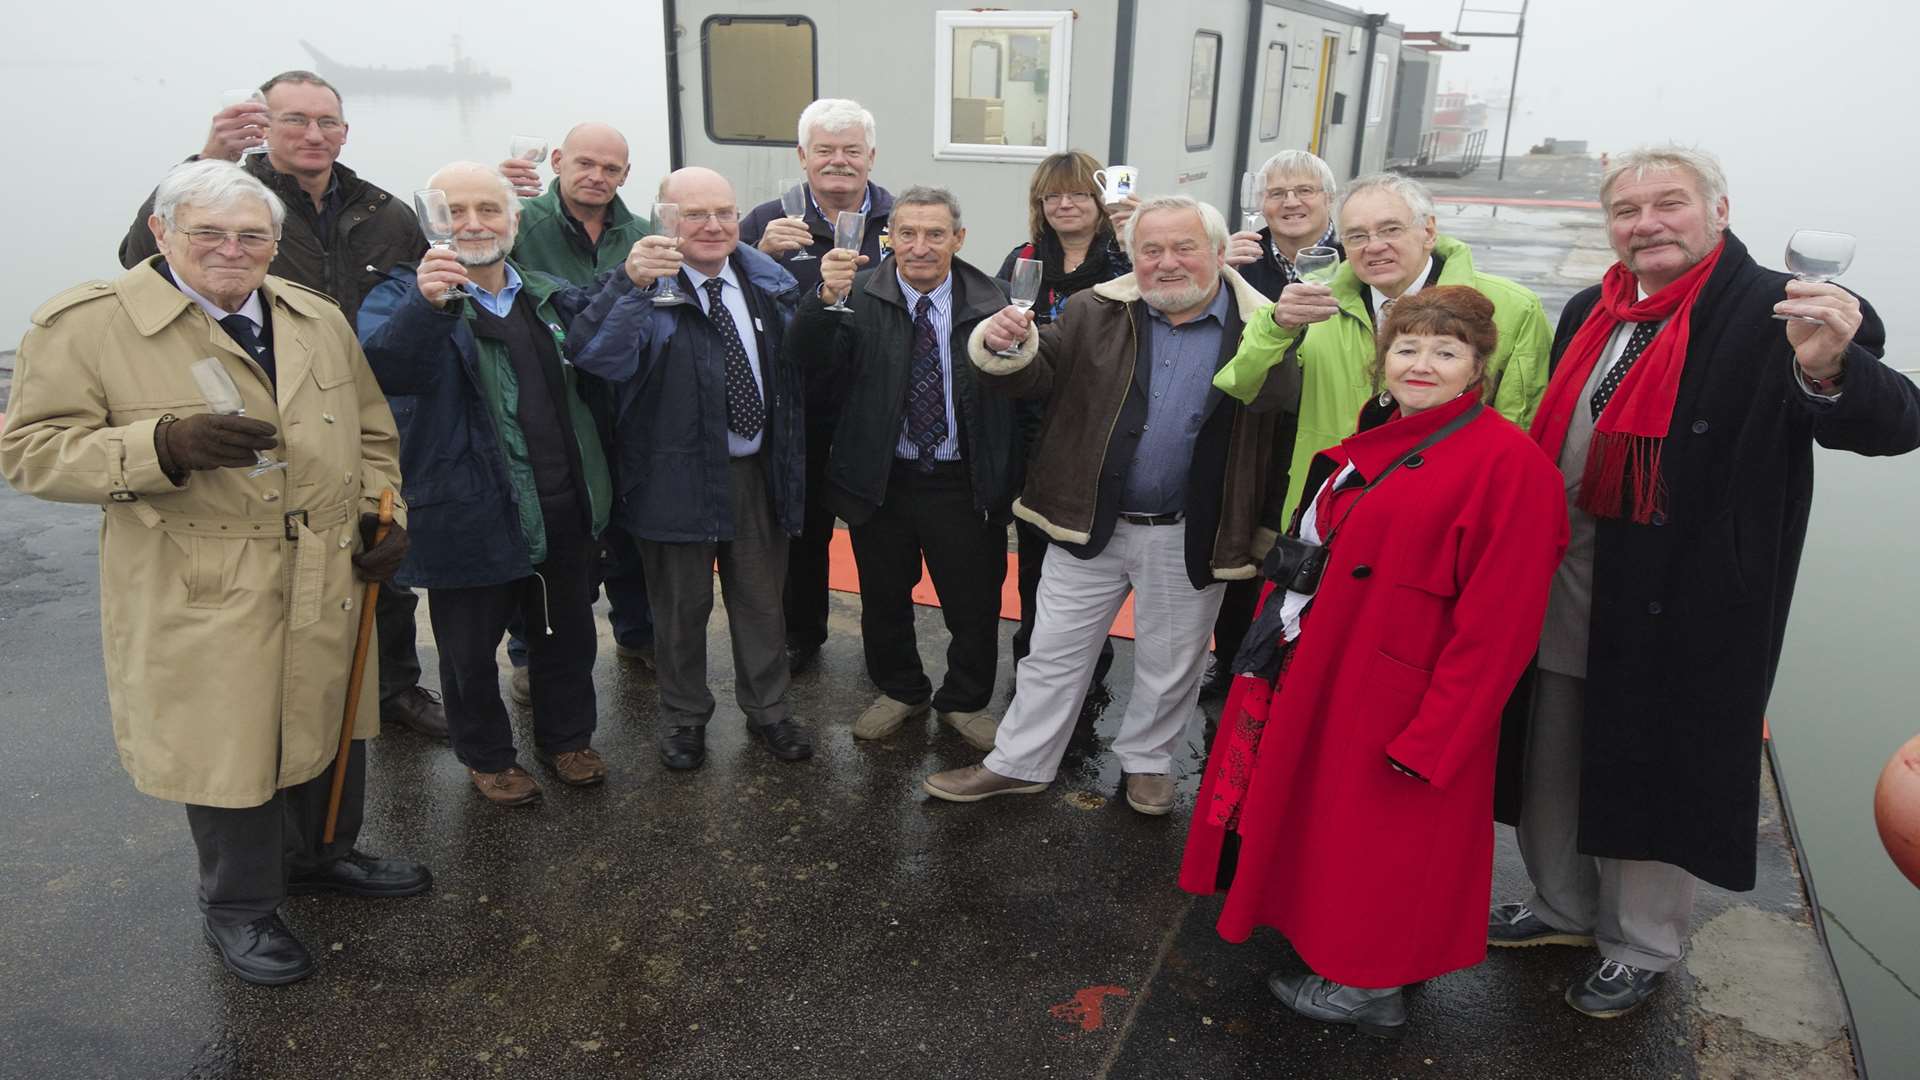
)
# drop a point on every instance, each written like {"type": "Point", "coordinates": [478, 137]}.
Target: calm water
{"type": "Point", "coordinates": [92, 134]}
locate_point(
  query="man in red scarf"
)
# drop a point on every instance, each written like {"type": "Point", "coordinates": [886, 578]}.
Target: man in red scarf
{"type": "Point", "coordinates": [1683, 418]}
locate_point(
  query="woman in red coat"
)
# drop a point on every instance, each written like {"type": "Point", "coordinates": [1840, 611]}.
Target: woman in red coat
{"type": "Point", "coordinates": [1348, 801]}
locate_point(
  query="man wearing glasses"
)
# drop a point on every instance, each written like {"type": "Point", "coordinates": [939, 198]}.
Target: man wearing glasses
{"type": "Point", "coordinates": [338, 228]}
{"type": "Point", "coordinates": [1296, 198]}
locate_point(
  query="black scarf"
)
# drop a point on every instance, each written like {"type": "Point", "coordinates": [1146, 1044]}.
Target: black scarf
{"type": "Point", "coordinates": [1056, 279]}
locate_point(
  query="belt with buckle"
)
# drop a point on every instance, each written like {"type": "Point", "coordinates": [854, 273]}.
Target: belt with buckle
{"type": "Point", "coordinates": [1174, 518]}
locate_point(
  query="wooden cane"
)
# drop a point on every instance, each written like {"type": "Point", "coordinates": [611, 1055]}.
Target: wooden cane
{"type": "Point", "coordinates": [367, 603]}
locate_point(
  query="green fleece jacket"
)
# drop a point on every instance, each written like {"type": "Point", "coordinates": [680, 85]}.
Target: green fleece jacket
{"type": "Point", "coordinates": [550, 243]}
{"type": "Point", "coordinates": [1335, 357]}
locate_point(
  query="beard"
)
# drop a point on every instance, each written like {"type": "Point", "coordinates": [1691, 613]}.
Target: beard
{"type": "Point", "coordinates": [487, 256]}
{"type": "Point", "coordinates": [1177, 298]}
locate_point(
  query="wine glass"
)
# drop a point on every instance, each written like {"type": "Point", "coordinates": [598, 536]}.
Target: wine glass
{"type": "Point", "coordinates": [793, 203]}
{"type": "Point", "coordinates": [436, 224]}
{"type": "Point", "coordinates": [849, 229]}
{"type": "Point", "coordinates": [1816, 256]}
{"type": "Point", "coordinates": [531, 148]}
{"type": "Point", "coordinates": [1022, 291]}
{"type": "Point", "coordinates": [223, 399]}
{"type": "Point", "coordinates": [1316, 265]}
{"type": "Point", "coordinates": [1249, 193]}
{"type": "Point", "coordinates": [666, 222]}
{"type": "Point", "coordinates": [248, 96]}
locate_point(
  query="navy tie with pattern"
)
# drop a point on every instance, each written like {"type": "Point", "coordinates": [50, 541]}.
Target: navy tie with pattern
{"type": "Point", "coordinates": [1636, 344]}
{"type": "Point", "coordinates": [927, 394]}
{"type": "Point", "coordinates": [746, 410]}
{"type": "Point", "coordinates": [240, 329]}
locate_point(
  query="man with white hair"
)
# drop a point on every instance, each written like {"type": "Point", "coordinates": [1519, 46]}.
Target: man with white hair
{"type": "Point", "coordinates": [1156, 484]}
{"type": "Point", "coordinates": [1296, 198]}
{"type": "Point", "coordinates": [506, 456]}
{"type": "Point", "coordinates": [229, 596]}
{"type": "Point", "coordinates": [1683, 417]}
{"type": "Point", "coordinates": [1394, 249]}
{"type": "Point", "coordinates": [836, 151]}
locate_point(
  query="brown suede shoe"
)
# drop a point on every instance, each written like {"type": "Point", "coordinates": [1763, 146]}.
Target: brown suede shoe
{"type": "Point", "coordinates": [509, 787]}
{"type": "Point", "coordinates": [579, 768]}
{"type": "Point", "coordinates": [976, 782]}
{"type": "Point", "coordinates": [1150, 793]}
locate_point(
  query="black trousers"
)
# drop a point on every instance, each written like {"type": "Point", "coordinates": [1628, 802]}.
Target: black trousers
{"type": "Point", "coordinates": [1032, 546]}
{"type": "Point", "coordinates": [399, 656]}
{"type": "Point", "coordinates": [808, 553]}
{"type": "Point", "coordinates": [246, 855]}
{"type": "Point", "coordinates": [1235, 618]}
{"type": "Point", "coordinates": [556, 604]}
{"type": "Point", "coordinates": [931, 515]}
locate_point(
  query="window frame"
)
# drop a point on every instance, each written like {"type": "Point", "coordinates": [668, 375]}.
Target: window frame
{"type": "Point", "coordinates": [1382, 73]}
{"type": "Point", "coordinates": [1059, 25]}
{"type": "Point", "coordinates": [706, 72]}
{"type": "Point", "coordinates": [1267, 75]}
{"type": "Point", "coordinates": [1213, 106]}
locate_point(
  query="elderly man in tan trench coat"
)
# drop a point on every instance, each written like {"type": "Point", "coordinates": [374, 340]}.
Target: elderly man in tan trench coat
{"type": "Point", "coordinates": [229, 596]}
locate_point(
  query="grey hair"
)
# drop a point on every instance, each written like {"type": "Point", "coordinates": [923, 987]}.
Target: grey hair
{"type": "Point", "coordinates": [1210, 218]}
{"type": "Point", "coordinates": [1412, 192]}
{"type": "Point", "coordinates": [493, 173]}
{"type": "Point", "coordinates": [213, 185]}
{"type": "Point", "coordinates": [1710, 180]}
{"type": "Point", "coordinates": [921, 195]}
{"type": "Point", "coordinates": [836, 114]}
{"type": "Point", "coordinates": [1298, 163]}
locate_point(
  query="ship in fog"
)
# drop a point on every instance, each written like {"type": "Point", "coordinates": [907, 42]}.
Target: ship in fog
{"type": "Point", "coordinates": [461, 78]}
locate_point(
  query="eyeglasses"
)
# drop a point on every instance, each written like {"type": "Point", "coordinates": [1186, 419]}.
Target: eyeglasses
{"type": "Point", "coordinates": [1055, 198]}
{"type": "Point", "coordinates": [1386, 234]}
{"type": "Point", "coordinates": [1303, 193]}
{"type": "Point", "coordinates": [329, 125]}
{"type": "Point", "coordinates": [699, 218]}
{"type": "Point", "coordinates": [252, 243]}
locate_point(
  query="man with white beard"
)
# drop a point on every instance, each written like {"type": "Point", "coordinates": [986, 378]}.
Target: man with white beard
{"type": "Point", "coordinates": [506, 455]}
{"type": "Point", "coordinates": [1156, 484]}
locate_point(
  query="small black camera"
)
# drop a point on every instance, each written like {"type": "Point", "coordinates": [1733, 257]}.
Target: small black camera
{"type": "Point", "coordinates": [1295, 565]}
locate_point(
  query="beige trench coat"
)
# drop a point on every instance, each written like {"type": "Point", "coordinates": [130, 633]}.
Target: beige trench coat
{"type": "Point", "coordinates": [228, 605]}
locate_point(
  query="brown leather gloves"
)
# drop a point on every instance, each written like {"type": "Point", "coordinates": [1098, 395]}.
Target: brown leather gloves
{"type": "Point", "coordinates": [209, 441]}
{"type": "Point", "coordinates": [379, 561]}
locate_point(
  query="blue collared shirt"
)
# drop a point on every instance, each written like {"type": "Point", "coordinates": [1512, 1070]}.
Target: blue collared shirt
{"type": "Point", "coordinates": [736, 304]}
{"type": "Point", "coordinates": [941, 315]}
{"type": "Point", "coordinates": [1179, 395]}
{"type": "Point", "coordinates": [500, 303]}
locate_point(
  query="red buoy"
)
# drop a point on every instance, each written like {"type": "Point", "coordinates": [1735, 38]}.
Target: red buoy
{"type": "Point", "coordinates": [1896, 809]}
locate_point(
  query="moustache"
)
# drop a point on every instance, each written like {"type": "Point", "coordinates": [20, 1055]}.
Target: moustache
{"type": "Point", "coordinates": [837, 170]}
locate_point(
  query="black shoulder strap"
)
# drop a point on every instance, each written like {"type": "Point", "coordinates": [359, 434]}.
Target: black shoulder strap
{"type": "Point", "coordinates": [1440, 433]}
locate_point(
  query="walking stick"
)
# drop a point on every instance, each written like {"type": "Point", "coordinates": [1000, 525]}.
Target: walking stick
{"type": "Point", "coordinates": [353, 681]}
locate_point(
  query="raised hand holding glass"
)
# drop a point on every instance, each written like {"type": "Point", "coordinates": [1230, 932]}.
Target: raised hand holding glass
{"type": "Point", "coordinates": [849, 230]}
{"type": "Point", "coordinates": [1022, 292]}
{"type": "Point", "coordinates": [436, 224]}
{"type": "Point", "coordinates": [666, 222]}
{"type": "Point", "coordinates": [1815, 256]}
{"type": "Point", "coordinates": [1316, 265]}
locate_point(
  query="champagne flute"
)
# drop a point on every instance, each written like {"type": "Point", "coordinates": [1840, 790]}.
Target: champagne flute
{"type": "Point", "coordinates": [666, 222]}
{"type": "Point", "coordinates": [223, 399]}
{"type": "Point", "coordinates": [436, 224]}
{"type": "Point", "coordinates": [849, 229]}
{"type": "Point", "coordinates": [1022, 291]}
{"type": "Point", "coordinates": [531, 148]}
{"type": "Point", "coordinates": [793, 203]}
{"type": "Point", "coordinates": [249, 96]}
{"type": "Point", "coordinates": [1249, 193]}
{"type": "Point", "coordinates": [1316, 265]}
{"type": "Point", "coordinates": [1816, 256]}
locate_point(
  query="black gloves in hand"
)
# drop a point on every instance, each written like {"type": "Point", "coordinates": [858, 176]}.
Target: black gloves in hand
{"type": "Point", "coordinates": [210, 441]}
{"type": "Point", "coordinates": [379, 561]}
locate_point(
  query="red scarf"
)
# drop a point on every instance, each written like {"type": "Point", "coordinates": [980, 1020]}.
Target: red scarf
{"type": "Point", "coordinates": [1622, 477]}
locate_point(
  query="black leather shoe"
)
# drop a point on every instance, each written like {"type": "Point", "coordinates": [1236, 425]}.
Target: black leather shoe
{"type": "Point", "coordinates": [683, 747]}
{"type": "Point", "coordinates": [1218, 678]}
{"type": "Point", "coordinates": [360, 874]}
{"type": "Point", "coordinates": [263, 952]}
{"type": "Point", "coordinates": [417, 709]}
{"type": "Point", "coordinates": [787, 740]}
{"type": "Point", "coordinates": [802, 657]}
{"type": "Point", "coordinates": [1380, 1013]}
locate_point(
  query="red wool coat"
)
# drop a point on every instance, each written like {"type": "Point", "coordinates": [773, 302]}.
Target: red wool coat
{"type": "Point", "coordinates": [1430, 608]}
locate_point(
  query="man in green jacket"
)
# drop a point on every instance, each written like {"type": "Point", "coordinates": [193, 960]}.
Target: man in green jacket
{"type": "Point", "coordinates": [1393, 249]}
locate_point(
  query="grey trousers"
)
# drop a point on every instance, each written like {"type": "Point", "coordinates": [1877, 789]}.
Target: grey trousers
{"type": "Point", "coordinates": [247, 854]}
{"type": "Point", "coordinates": [1637, 910]}
{"type": "Point", "coordinates": [753, 573]}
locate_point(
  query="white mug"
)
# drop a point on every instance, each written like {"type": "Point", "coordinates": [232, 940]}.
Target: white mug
{"type": "Point", "coordinates": [1116, 182]}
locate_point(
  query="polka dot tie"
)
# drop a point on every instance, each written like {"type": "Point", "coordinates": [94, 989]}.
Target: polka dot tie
{"type": "Point", "coordinates": [746, 411]}
{"type": "Point", "coordinates": [1636, 344]}
{"type": "Point", "coordinates": [1380, 325]}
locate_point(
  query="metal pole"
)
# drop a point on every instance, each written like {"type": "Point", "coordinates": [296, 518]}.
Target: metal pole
{"type": "Point", "coordinates": [1513, 88]}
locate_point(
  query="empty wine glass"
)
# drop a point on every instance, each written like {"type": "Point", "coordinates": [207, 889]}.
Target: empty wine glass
{"type": "Point", "coordinates": [793, 203]}
{"type": "Point", "coordinates": [248, 96]}
{"type": "Point", "coordinates": [436, 224]}
{"type": "Point", "coordinates": [1022, 291]}
{"type": "Point", "coordinates": [223, 399]}
{"type": "Point", "coordinates": [1250, 200]}
{"type": "Point", "coordinates": [530, 148]}
{"type": "Point", "coordinates": [1316, 265]}
{"type": "Point", "coordinates": [849, 229]}
{"type": "Point", "coordinates": [666, 222]}
{"type": "Point", "coordinates": [1816, 256]}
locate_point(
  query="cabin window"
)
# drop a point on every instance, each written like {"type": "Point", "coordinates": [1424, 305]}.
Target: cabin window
{"type": "Point", "coordinates": [760, 72]}
{"type": "Point", "coordinates": [1203, 89]}
{"type": "Point", "coordinates": [1000, 84]}
{"type": "Point", "coordinates": [1273, 81]}
{"type": "Point", "coordinates": [1377, 93]}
